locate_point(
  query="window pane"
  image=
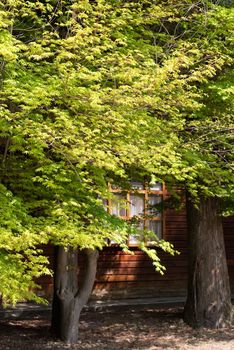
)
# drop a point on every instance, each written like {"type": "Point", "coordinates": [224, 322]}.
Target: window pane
{"type": "Point", "coordinates": [136, 205]}
{"type": "Point", "coordinates": [114, 187]}
{"type": "Point", "coordinates": [137, 185]}
{"type": "Point", "coordinates": [156, 187]}
{"type": "Point", "coordinates": [119, 204]}
{"type": "Point", "coordinates": [154, 205]}
{"type": "Point", "coordinates": [133, 238]}
{"type": "Point", "coordinates": [156, 227]}
{"type": "Point", "coordinates": [105, 204]}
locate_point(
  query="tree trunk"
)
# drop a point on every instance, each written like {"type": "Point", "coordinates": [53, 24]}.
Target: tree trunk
{"type": "Point", "coordinates": [209, 300]}
{"type": "Point", "coordinates": [68, 299]}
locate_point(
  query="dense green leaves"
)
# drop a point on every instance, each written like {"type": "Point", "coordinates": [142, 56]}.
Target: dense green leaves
{"type": "Point", "coordinates": [94, 92]}
{"type": "Point", "coordinates": [20, 259]}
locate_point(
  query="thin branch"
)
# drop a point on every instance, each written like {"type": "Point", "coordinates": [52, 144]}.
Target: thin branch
{"type": "Point", "coordinates": [6, 151]}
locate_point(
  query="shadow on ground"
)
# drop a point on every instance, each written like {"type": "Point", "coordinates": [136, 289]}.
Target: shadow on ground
{"type": "Point", "coordinates": [139, 328]}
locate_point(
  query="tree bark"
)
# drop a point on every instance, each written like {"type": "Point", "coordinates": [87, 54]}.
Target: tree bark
{"type": "Point", "coordinates": [68, 299]}
{"type": "Point", "coordinates": [209, 299]}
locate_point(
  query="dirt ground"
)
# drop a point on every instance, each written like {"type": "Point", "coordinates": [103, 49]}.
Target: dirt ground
{"type": "Point", "coordinates": [136, 328]}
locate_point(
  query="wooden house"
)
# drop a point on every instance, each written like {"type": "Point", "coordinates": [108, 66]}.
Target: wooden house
{"type": "Point", "coordinates": [121, 275]}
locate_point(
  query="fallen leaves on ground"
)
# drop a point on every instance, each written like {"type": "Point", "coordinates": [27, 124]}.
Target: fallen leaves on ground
{"type": "Point", "coordinates": [122, 328]}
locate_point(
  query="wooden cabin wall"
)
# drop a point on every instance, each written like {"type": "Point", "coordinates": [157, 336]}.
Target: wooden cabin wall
{"type": "Point", "coordinates": [121, 275]}
{"type": "Point", "coordinates": [228, 226]}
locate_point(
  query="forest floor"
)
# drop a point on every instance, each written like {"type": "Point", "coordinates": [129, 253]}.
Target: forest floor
{"type": "Point", "coordinates": [119, 328]}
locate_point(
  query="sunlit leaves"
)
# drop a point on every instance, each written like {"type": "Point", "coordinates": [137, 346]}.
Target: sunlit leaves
{"type": "Point", "coordinates": [98, 91]}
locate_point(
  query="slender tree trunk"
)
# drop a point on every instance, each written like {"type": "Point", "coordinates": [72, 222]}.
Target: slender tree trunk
{"type": "Point", "coordinates": [68, 299]}
{"type": "Point", "coordinates": [209, 300]}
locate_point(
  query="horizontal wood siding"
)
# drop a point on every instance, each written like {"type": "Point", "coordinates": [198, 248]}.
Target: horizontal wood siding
{"type": "Point", "coordinates": [228, 226]}
{"type": "Point", "coordinates": [46, 282]}
{"type": "Point", "coordinates": [121, 275]}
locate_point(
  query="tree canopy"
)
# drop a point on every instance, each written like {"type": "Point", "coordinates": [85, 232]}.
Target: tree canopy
{"type": "Point", "coordinates": [95, 92]}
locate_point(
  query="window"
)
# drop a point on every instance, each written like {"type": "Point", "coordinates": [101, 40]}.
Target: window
{"type": "Point", "coordinates": [142, 205]}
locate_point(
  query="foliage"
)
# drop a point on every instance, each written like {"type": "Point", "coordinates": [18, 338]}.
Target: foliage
{"type": "Point", "coordinates": [208, 141]}
{"type": "Point", "coordinates": [20, 258]}
{"type": "Point", "coordinates": [94, 92]}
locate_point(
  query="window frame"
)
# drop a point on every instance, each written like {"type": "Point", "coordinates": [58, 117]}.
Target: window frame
{"type": "Point", "coordinates": [146, 191]}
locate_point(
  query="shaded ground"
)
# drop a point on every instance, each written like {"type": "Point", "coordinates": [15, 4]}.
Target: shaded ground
{"type": "Point", "coordinates": [136, 328]}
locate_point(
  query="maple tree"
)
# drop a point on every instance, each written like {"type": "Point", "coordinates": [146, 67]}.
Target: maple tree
{"type": "Point", "coordinates": [95, 92]}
